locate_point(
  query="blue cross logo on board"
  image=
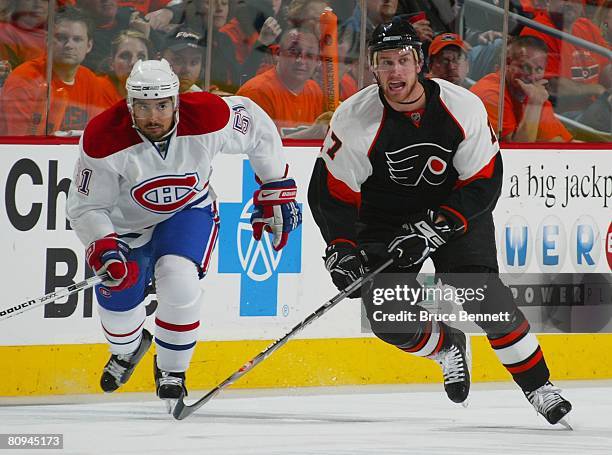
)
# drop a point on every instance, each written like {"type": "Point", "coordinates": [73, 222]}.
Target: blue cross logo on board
{"type": "Point", "coordinates": [257, 263]}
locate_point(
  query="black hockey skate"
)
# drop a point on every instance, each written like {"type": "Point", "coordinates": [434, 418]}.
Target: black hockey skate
{"type": "Point", "coordinates": [456, 362]}
{"type": "Point", "coordinates": [169, 386]}
{"type": "Point", "coordinates": [120, 367]}
{"type": "Point", "coordinates": [548, 401]}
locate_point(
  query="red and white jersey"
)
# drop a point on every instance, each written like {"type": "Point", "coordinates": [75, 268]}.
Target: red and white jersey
{"type": "Point", "coordinates": [125, 184]}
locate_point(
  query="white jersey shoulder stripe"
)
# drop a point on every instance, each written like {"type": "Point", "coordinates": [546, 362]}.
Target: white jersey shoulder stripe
{"type": "Point", "coordinates": [353, 129]}
{"type": "Point", "coordinates": [480, 144]}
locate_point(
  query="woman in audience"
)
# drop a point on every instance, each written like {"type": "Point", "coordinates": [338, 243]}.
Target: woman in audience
{"type": "Point", "coordinates": [127, 48]}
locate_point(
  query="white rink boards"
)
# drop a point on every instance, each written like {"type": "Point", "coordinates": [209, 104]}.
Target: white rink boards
{"type": "Point", "coordinates": [553, 216]}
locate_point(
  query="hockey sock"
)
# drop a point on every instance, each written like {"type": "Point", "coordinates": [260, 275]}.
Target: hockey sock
{"type": "Point", "coordinates": [178, 314]}
{"type": "Point", "coordinates": [427, 341]}
{"type": "Point", "coordinates": [122, 329]}
{"type": "Point", "coordinates": [519, 351]}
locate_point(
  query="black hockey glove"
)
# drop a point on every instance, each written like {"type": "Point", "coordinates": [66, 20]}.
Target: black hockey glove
{"type": "Point", "coordinates": [345, 264]}
{"type": "Point", "coordinates": [419, 238]}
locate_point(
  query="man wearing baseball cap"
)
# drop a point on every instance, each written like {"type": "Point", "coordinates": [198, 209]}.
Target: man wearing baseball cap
{"type": "Point", "coordinates": [184, 51]}
{"type": "Point", "coordinates": [448, 58]}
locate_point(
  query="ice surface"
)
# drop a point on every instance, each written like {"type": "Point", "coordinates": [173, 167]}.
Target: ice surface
{"type": "Point", "coordinates": [371, 420]}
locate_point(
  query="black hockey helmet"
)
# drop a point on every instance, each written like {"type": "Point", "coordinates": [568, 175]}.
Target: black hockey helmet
{"type": "Point", "coordinates": [396, 34]}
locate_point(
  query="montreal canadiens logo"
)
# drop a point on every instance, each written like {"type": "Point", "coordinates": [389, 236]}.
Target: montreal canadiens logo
{"type": "Point", "coordinates": [426, 161]}
{"type": "Point", "coordinates": [167, 193]}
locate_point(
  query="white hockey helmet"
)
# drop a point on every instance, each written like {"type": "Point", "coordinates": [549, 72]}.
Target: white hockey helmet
{"type": "Point", "coordinates": [151, 79]}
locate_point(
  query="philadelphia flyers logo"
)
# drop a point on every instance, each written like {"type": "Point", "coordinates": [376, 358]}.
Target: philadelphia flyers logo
{"type": "Point", "coordinates": [167, 193]}
{"type": "Point", "coordinates": [410, 165]}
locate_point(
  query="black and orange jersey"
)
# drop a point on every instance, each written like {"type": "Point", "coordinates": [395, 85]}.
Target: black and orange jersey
{"type": "Point", "coordinates": [377, 166]}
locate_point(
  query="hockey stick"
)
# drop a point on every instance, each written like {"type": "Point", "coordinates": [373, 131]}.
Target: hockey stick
{"type": "Point", "coordinates": [182, 410]}
{"type": "Point", "coordinates": [51, 297]}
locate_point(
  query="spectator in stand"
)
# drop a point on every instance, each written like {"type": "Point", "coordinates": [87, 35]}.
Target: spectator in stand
{"type": "Point", "coordinates": [448, 58]}
{"type": "Point", "coordinates": [440, 14]}
{"type": "Point", "coordinates": [577, 76]}
{"type": "Point", "coordinates": [287, 92]}
{"type": "Point", "coordinates": [481, 27]}
{"type": "Point", "coordinates": [77, 94]}
{"type": "Point", "coordinates": [306, 14]}
{"type": "Point", "coordinates": [143, 6]}
{"type": "Point", "coordinates": [263, 53]}
{"type": "Point", "coordinates": [482, 30]}
{"type": "Point", "coordinates": [240, 46]}
{"type": "Point", "coordinates": [245, 27]}
{"type": "Point", "coordinates": [127, 48]}
{"type": "Point", "coordinates": [193, 15]}
{"type": "Point", "coordinates": [184, 52]}
{"type": "Point", "coordinates": [528, 115]}
{"type": "Point", "coordinates": [109, 20]}
{"type": "Point", "coordinates": [379, 11]}
{"type": "Point", "coordinates": [24, 38]}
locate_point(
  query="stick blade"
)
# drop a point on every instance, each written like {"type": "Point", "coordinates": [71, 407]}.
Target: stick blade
{"type": "Point", "coordinates": [181, 410]}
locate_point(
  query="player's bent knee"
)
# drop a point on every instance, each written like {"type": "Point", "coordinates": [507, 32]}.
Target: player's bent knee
{"type": "Point", "coordinates": [498, 301]}
{"type": "Point", "coordinates": [177, 281]}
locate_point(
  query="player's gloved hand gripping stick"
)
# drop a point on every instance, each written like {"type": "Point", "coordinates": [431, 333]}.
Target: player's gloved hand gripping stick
{"type": "Point", "coordinates": [345, 263]}
{"type": "Point", "coordinates": [182, 410]}
{"type": "Point", "coordinates": [276, 211]}
{"type": "Point", "coordinates": [106, 257]}
{"type": "Point", "coordinates": [419, 238]}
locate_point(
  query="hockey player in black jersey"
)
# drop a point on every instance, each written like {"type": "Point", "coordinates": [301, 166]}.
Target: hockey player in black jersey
{"type": "Point", "coordinates": [410, 167]}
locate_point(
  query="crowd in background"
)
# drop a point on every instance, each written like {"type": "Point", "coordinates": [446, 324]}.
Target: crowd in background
{"type": "Point", "coordinates": [555, 89]}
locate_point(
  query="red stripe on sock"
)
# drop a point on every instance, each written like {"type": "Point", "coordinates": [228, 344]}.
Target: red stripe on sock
{"type": "Point", "coordinates": [177, 327]}
{"type": "Point", "coordinates": [508, 339]}
{"type": "Point", "coordinates": [119, 335]}
{"type": "Point", "coordinates": [527, 366]}
{"type": "Point", "coordinates": [440, 341]}
{"type": "Point", "coordinates": [423, 341]}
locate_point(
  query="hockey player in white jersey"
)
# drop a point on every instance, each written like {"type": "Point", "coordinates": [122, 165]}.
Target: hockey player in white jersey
{"type": "Point", "coordinates": [411, 168]}
{"type": "Point", "coordinates": [141, 202]}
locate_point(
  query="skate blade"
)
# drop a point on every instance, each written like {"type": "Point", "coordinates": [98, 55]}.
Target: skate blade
{"type": "Point", "coordinates": [169, 404]}
{"type": "Point", "coordinates": [566, 424]}
{"type": "Point", "coordinates": [466, 403]}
